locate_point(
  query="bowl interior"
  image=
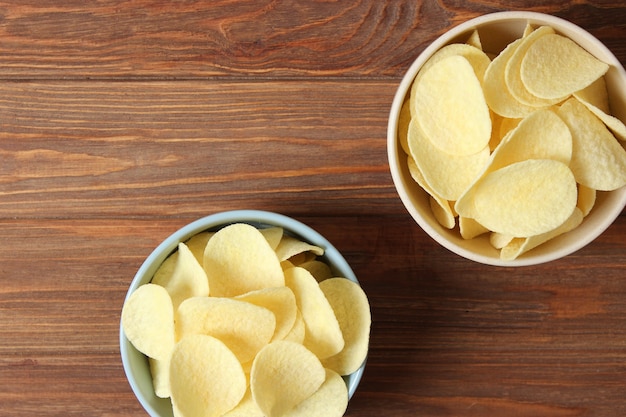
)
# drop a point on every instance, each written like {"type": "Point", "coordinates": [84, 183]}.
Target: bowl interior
{"type": "Point", "coordinates": [136, 364]}
{"type": "Point", "coordinates": [496, 31]}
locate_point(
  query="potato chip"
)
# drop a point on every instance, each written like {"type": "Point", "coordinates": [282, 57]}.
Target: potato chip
{"type": "Point", "coordinates": [273, 235]}
{"type": "Point", "coordinates": [206, 378]}
{"type": "Point", "coordinates": [244, 327]}
{"type": "Point", "coordinates": [278, 300]}
{"type": "Point", "coordinates": [450, 107]}
{"type": "Point", "coordinates": [320, 270]}
{"type": "Point", "coordinates": [474, 40]}
{"type": "Point", "coordinates": [322, 332]}
{"type": "Point", "coordinates": [526, 198]}
{"type": "Point", "coordinates": [470, 228]}
{"type": "Point", "coordinates": [352, 309]}
{"type": "Point", "coordinates": [403, 125]}
{"type": "Point", "coordinates": [598, 159]}
{"type": "Point", "coordinates": [330, 400]}
{"type": "Point", "coordinates": [497, 94]}
{"type": "Point", "coordinates": [182, 276]}
{"type": "Point", "coordinates": [283, 375]}
{"type": "Point", "coordinates": [447, 175]}
{"type": "Point", "coordinates": [586, 199]}
{"type": "Point", "coordinates": [148, 321]}
{"type": "Point", "coordinates": [296, 334]}
{"type": "Point", "coordinates": [160, 371]}
{"type": "Point", "coordinates": [512, 75]}
{"type": "Point", "coordinates": [290, 246]}
{"type": "Point", "coordinates": [499, 240]}
{"type": "Point", "coordinates": [238, 259]}
{"type": "Point", "coordinates": [444, 216]}
{"type": "Point", "coordinates": [595, 95]}
{"type": "Point", "coordinates": [247, 407]}
{"type": "Point", "coordinates": [555, 67]}
{"type": "Point", "coordinates": [518, 246]}
{"type": "Point", "coordinates": [615, 125]}
{"type": "Point", "coordinates": [197, 244]}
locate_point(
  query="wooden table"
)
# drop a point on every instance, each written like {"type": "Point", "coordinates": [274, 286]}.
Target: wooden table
{"type": "Point", "coordinates": [121, 121]}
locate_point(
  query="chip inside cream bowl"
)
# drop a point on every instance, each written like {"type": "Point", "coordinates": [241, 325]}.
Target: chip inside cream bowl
{"type": "Point", "coordinates": [270, 303]}
{"type": "Point", "coordinates": [518, 99]}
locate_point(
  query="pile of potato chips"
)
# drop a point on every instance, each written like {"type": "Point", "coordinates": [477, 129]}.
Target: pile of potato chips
{"type": "Point", "coordinates": [249, 322]}
{"type": "Point", "coordinates": [515, 145]}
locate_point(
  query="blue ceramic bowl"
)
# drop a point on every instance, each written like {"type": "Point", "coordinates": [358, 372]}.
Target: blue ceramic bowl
{"type": "Point", "coordinates": [136, 364]}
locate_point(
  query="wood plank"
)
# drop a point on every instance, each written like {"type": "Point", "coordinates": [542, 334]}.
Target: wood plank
{"type": "Point", "coordinates": [94, 149]}
{"type": "Point", "coordinates": [151, 38]}
{"type": "Point", "coordinates": [449, 337]}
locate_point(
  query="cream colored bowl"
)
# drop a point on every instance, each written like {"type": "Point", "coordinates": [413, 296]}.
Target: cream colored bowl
{"type": "Point", "coordinates": [496, 31]}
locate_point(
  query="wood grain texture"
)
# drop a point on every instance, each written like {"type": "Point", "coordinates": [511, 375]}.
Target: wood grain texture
{"type": "Point", "coordinates": [181, 39]}
{"type": "Point", "coordinates": [122, 121]}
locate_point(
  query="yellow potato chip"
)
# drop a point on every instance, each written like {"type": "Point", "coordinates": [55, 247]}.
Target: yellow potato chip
{"type": "Point", "coordinates": [197, 244]}
{"type": "Point", "coordinates": [352, 310]}
{"type": "Point", "coordinates": [450, 107]}
{"type": "Point", "coordinates": [283, 375]}
{"type": "Point", "coordinates": [586, 199]}
{"type": "Point", "coordinates": [615, 125]}
{"type": "Point", "coordinates": [526, 198]}
{"type": "Point", "coordinates": [499, 240]}
{"type": "Point", "coordinates": [320, 270]}
{"type": "Point", "coordinates": [238, 259]}
{"type": "Point", "coordinates": [322, 335]}
{"type": "Point", "coordinates": [598, 159]}
{"type": "Point", "coordinates": [244, 327]}
{"type": "Point", "coordinates": [205, 377]}
{"type": "Point", "coordinates": [278, 300]}
{"type": "Point", "coordinates": [448, 175]}
{"type": "Point", "coordinates": [148, 321]}
{"type": "Point", "coordinates": [518, 246]}
{"type": "Point", "coordinates": [403, 125]}
{"type": "Point", "coordinates": [296, 334]}
{"type": "Point", "coordinates": [182, 276]}
{"type": "Point", "coordinates": [474, 40]}
{"type": "Point", "coordinates": [444, 216]}
{"type": "Point", "coordinates": [330, 400]}
{"type": "Point", "coordinates": [247, 407]}
{"type": "Point", "coordinates": [555, 67]}
{"type": "Point", "coordinates": [160, 371]}
{"type": "Point", "coordinates": [290, 246]}
{"type": "Point", "coordinates": [470, 228]}
{"type": "Point", "coordinates": [273, 235]}
{"type": "Point", "coordinates": [595, 95]}
{"type": "Point", "coordinates": [512, 75]}
{"type": "Point", "coordinates": [497, 94]}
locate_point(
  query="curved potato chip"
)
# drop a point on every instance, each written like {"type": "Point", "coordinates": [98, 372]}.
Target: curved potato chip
{"type": "Point", "coordinates": [446, 216]}
{"type": "Point", "coordinates": [205, 377]}
{"type": "Point", "coordinates": [160, 371]}
{"type": "Point", "coordinates": [278, 300]}
{"type": "Point", "coordinates": [247, 407]}
{"type": "Point", "coordinates": [497, 93]}
{"type": "Point", "coordinates": [595, 95]}
{"type": "Point", "coordinates": [148, 321]}
{"type": "Point", "coordinates": [614, 124]}
{"type": "Point", "coordinates": [555, 67]}
{"type": "Point", "coordinates": [283, 375]}
{"type": "Point", "coordinates": [320, 270]}
{"type": "Point", "coordinates": [197, 244]}
{"type": "Point", "coordinates": [296, 334]}
{"type": "Point", "coordinates": [474, 40]}
{"type": "Point", "coordinates": [540, 135]}
{"type": "Point", "coordinates": [450, 107]}
{"type": "Point", "coordinates": [273, 235]}
{"type": "Point", "coordinates": [330, 400]}
{"type": "Point", "coordinates": [442, 214]}
{"type": "Point", "coordinates": [598, 159]}
{"type": "Point", "coordinates": [238, 259]}
{"type": "Point", "coordinates": [526, 198]}
{"type": "Point", "coordinates": [448, 175]}
{"type": "Point", "coordinates": [182, 276]}
{"type": "Point", "coordinates": [499, 240]}
{"type": "Point", "coordinates": [586, 199]}
{"type": "Point", "coordinates": [244, 327]}
{"type": "Point", "coordinates": [352, 310]}
{"type": "Point", "coordinates": [512, 74]}
{"type": "Point", "coordinates": [519, 246]}
{"type": "Point", "coordinates": [290, 246]}
{"type": "Point", "coordinates": [322, 332]}
{"type": "Point", "coordinates": [403, 125]}
{"type": "Point", "coordinates": [470, 228]}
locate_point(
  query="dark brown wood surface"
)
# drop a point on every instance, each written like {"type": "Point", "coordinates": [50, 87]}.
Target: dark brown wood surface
{"type": "Point", "coordinates": [121, 121]}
